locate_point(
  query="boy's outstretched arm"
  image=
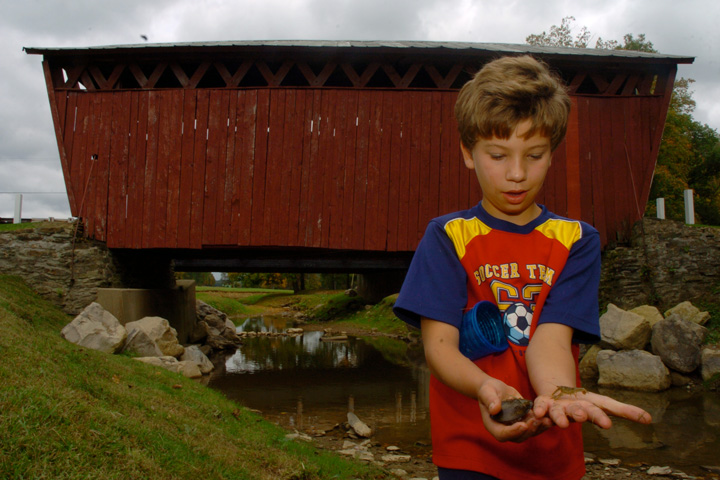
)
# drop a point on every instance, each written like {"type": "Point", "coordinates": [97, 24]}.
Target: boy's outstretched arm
{"type": "Point", "coordinates": [550, 365]}
{"type": "Point", "coordinates": [455, 370]}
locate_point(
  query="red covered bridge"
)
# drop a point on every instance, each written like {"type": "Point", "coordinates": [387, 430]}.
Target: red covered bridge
{"type": "Point", "coordinates": [320, 155]}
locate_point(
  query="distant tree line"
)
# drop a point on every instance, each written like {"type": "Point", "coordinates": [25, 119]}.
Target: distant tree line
{"type": "Point", "coordinates": [689, 156]}
{"type": "Point", "coordinates": [289, 281]}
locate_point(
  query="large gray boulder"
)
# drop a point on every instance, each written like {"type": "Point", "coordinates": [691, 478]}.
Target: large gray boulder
{"type": "Point", "coordinates": [710, 359]}
{"type": "Point", "coordinates": [194, 354]}
{"type": "Point", "coordinates": [649, 313]}
{"type": "Point", "coordinates": [159, 331]}
{"type": "Point", "coordinates": [623, 330]}
{"type": "Point", "coordinates": [678, 343]}
{"type": "Point", "coordinates": [687, 311]}
{"type": "Point", "coordinates": [214, 328]}
{"type": "Point", "coordinates": [588, 365]}
{"type": "Point", "coordinates": [97, 329]}
{"type": "Point", "coordinates": [634, 370]}
{"type": "Point", "coordinates": [140, 344]}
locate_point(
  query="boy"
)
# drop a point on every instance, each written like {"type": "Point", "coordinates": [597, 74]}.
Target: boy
{"type": "Point", "coordinates": [512, 252]}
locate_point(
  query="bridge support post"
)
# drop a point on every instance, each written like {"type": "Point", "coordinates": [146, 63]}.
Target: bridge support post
{"type": "Point", "coordinates": [375, 286]}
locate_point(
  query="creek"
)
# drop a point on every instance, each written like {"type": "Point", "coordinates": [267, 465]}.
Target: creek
{"type": "Point", "coordinates": [309, 384]}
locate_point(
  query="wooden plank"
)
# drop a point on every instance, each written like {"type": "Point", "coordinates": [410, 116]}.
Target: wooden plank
{"type": "Point", "coordinates": [160, 189]}
{"type": "Point", "coordinates": [436, 135]}
{"type": "Point", "coordinates": [572, 149]}
{"type": "Point", "coordinates": [337, 197]}
{"type": "Point", "coordinates": [361, 171]}
{"type": "Point", "coordinates": [414, 188]}
{"type": "Point", "coordinates": [223, 236]}
{"type": "Point", "coordinates": [588, 121]}
{"type": "Point", "coordinates": [136, 168]}
{"type": "Point", "coordinates": [175, 100]}
{"type": "Point", "coordinates": [448, 155]}
{"type": "Point", "coordinates": [296, 136]}
{"type": "Point", "coordinates": [242, 211]}
{"type": "Point", "coordinates": [187, 147]}
{"type": "Point", "coordinates": [151, 154]}
{"type": "Point", "coordinates": [349, 136]}
{"type": "Point", "coordinates": [257, 234]}
{"type": "Point", "coordinates": [314, 198]}
{"type": "Point", "coordinates": [72, 140]}
{"type": "Point", "coordinates": [394, 192]}
{"type": "Point", "coordinates": [405, 176]}
{"type": "Point", "coordinates": [200, 145]}
{"type": "Point", "coordinates": [118, 177]}
{"type": "Point", "coordinates": [327, 161]}
{"type": "Point", "coordinates": [385, 179]}
{"type": "Point", "coordinates": [370, 234]}
{"type": "Point", "coordinates": [103, 167]}
{"type": "Point", "coordinates": [276, 158]}
{"type": "Point", "coordinates": [424, 160]}
{"type": "Point", "coordinates": [305, 175]}
{"type": "Point", "coordinates": [216, 148]}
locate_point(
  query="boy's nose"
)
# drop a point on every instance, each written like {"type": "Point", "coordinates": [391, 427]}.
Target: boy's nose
{"type": "Point", "coordinates": [516, 171]}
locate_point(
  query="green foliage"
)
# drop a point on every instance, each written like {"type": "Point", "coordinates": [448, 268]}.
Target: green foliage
{"type": "Point", "coordinates": [205, 279]}
{"type": "Point", "coordinates": [561, 36]}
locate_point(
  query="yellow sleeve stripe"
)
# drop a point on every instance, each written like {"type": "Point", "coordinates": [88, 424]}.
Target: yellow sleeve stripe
{"type": "Point", "coordinates": [566, 232]}
{"type": "Point", "coordinates": [462, 230]}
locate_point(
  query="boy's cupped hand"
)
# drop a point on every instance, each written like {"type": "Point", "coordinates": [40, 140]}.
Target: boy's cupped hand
{"type": "Point", "coordinates": [563, 408]}
{"type": "Point", "coordinates": [490, 399]}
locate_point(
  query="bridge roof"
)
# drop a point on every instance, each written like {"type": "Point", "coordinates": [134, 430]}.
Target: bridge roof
{"type": "Point", "coordinates": [370, 47]}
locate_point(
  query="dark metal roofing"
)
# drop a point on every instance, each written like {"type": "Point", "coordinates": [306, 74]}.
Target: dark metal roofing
{"type": "Point", "coordinates": [368, 46]}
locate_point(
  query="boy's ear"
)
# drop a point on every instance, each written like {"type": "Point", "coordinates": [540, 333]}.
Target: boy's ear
{"type": "Point", "coordinates": [467, 157]}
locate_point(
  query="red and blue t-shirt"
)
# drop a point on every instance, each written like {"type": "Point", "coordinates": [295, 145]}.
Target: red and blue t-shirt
{"type": "Point", "coordinates": [547, 271]}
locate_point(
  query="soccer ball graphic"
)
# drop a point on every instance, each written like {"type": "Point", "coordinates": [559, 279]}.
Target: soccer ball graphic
{"type": "Point", "coordinates": [518, 319]}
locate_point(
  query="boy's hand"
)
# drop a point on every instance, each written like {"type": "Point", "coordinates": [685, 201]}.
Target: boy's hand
{"type": "Point", "coordinates": [580, 406]}
{"type": "Point", "coordinates": [490, 397]}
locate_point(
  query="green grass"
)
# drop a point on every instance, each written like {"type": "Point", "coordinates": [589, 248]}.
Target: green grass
{"type": "Point", "coordinates": [9, 227]}
{"type": "Point", "coordinates": [67, 412]}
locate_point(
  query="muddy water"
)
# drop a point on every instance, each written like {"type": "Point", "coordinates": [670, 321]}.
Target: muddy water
{"type": "Point", "coordinates": [307, 384]}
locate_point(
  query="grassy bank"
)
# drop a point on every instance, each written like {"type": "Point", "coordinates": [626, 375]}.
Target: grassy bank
{"type": "Point", "coordinates": [71, 413]}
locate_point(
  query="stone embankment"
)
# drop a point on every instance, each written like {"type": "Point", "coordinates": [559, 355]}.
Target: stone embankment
{"type": "Point", "coordinates": [153, 340]}
{"type": "Point", "coordinates": [645, 350]}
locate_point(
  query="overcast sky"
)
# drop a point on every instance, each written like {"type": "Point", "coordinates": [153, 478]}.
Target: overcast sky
{"type": "Point", "coordinates": [29, 161]}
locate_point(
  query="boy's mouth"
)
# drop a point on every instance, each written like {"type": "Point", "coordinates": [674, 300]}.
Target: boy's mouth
{"type": "Point", "coordinates": [515, 197]}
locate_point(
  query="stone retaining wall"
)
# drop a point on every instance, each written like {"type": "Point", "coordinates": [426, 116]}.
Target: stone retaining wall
{"type": "Point", "coordinates": [68, 270]}
{"type": "Point", "coordinates": [667, 262]}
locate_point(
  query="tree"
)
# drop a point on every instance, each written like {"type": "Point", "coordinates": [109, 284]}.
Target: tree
{"type": "Point", "coordinates": [561, 36]}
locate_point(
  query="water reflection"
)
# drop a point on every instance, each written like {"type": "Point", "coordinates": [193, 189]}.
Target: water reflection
{"type": "Point", "coordinates": [309, 384]}
{"type": "Point", "coordinates": [306, 383]}
{"type": "Point", "coordinates": [684, 432]}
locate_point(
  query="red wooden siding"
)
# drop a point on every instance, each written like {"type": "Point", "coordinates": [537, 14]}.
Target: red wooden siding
{"type": "Point", "coordinates": [325, 146]}
{"type": "Point", "coordinates": [338, 169]}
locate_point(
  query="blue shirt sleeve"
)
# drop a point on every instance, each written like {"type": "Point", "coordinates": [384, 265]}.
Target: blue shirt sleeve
{"type": "Point", "coordinates": [436, 283]}
{"type": "Point", "coordinates": [573, 300]}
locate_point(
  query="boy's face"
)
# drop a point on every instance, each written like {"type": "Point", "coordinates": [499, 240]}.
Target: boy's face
{"type": "Point", "coordinates": [511, 173]}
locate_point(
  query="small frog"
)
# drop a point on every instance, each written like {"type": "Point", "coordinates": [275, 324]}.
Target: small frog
{"type": "Point", "coordinates": [513, 410]}
{"type": "Point", "coordinates": [572, 391]}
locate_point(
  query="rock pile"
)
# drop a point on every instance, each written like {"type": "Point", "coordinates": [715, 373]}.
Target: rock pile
{"type": "Point", "coordinates": [643, 349]}
{"type": "Point", "coordinates": [153, 340]}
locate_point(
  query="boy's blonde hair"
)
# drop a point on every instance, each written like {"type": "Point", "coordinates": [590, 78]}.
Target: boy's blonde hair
{"type": "Point", "coordinates": [507, 91]}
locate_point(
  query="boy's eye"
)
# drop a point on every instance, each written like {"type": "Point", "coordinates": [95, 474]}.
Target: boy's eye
{"type": "Point", "coordinates": [536, 156]}
{"type": "Point", "coordinates": [497, 156]}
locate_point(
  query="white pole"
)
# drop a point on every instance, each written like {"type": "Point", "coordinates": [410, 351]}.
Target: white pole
{"type": "Point", "coordinates": [18, 208]}
{"type": "Point", "coordinates": [660, 204]}
{"type": "Point", "coordinates": [689, 207]}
